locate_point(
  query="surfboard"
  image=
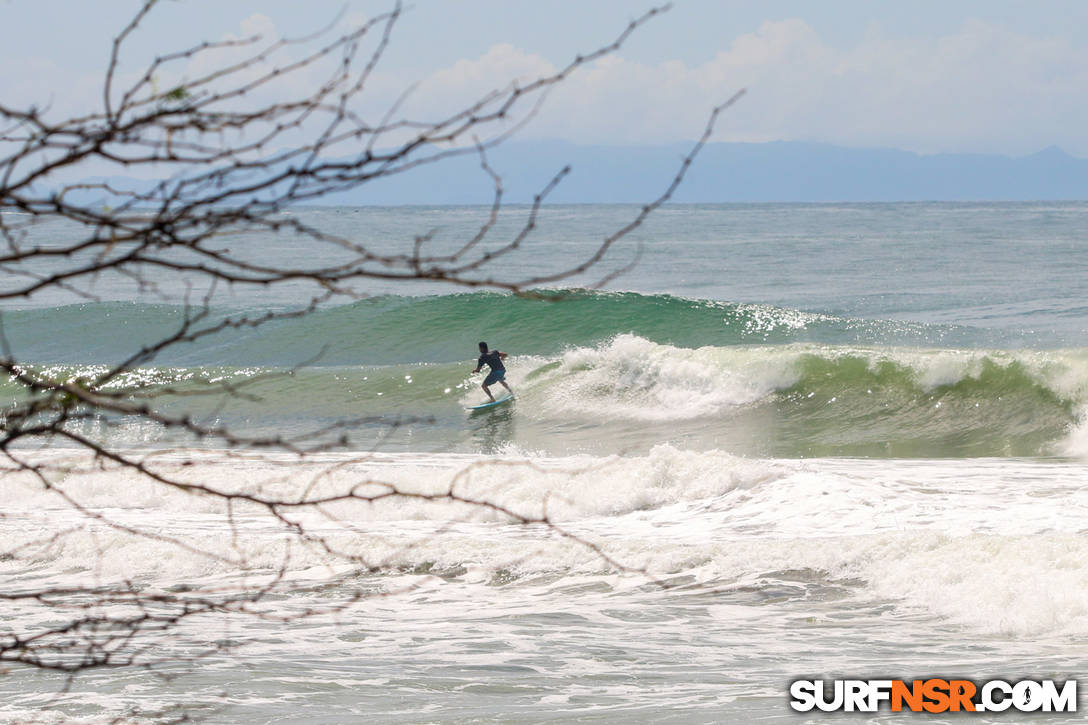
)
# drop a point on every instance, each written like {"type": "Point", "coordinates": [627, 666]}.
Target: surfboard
{"type": "Point", "coordinates": [500, 401]}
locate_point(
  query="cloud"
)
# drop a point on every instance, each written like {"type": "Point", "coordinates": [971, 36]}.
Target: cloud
{"type": "Point", "coordinates": [983, 88]}
{"type": "Point", "coordinates": [451, 89]}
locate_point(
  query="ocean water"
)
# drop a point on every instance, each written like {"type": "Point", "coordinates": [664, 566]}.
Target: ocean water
{"type": "Point", "coordinates": [791, 441]}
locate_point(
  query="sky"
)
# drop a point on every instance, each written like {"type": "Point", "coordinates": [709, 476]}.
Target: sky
{"type": "Point", "coordinates": [969, 76]}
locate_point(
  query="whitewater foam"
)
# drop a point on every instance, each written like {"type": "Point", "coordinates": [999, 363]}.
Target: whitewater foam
{"type": "Point", "coordinates": [635, 378]}
{"type": "Point", "coordinates": [996, 546]}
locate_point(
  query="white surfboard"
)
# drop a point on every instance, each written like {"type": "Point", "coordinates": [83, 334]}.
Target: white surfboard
{"type": "Point", "coordinates": [490, 404]}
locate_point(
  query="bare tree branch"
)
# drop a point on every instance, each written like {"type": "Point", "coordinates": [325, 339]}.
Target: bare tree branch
{"type": "Point", "coordinates": [284, 153]}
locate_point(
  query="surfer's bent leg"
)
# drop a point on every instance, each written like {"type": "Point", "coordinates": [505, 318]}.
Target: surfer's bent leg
{"type": "Point", "coordinates": [489, 380]}
{"type": "Point", "coordinates": [495, 376]}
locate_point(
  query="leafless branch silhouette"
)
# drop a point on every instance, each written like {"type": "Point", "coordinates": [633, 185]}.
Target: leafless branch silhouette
{"type": "Point", "coordinates": [226, 162]}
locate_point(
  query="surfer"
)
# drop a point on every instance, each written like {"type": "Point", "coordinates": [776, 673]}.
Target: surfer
{"type": "Point", "coordinates": [493, 359]}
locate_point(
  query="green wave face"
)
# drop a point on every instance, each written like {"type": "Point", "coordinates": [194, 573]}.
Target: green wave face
{"type": "Point", "coordinates": [391, 330]}
{"type": "Point", "coordinates": [878, 406]}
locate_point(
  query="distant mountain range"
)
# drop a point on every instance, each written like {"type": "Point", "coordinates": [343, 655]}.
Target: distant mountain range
{"type": "Point", "coordinates": [728, 172]}
{"type": "Point", "coordinates": [738, 172]}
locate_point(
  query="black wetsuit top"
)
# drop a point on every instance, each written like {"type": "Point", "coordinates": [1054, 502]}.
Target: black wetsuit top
{"type": "Point", "coordinates": [492, 359]}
